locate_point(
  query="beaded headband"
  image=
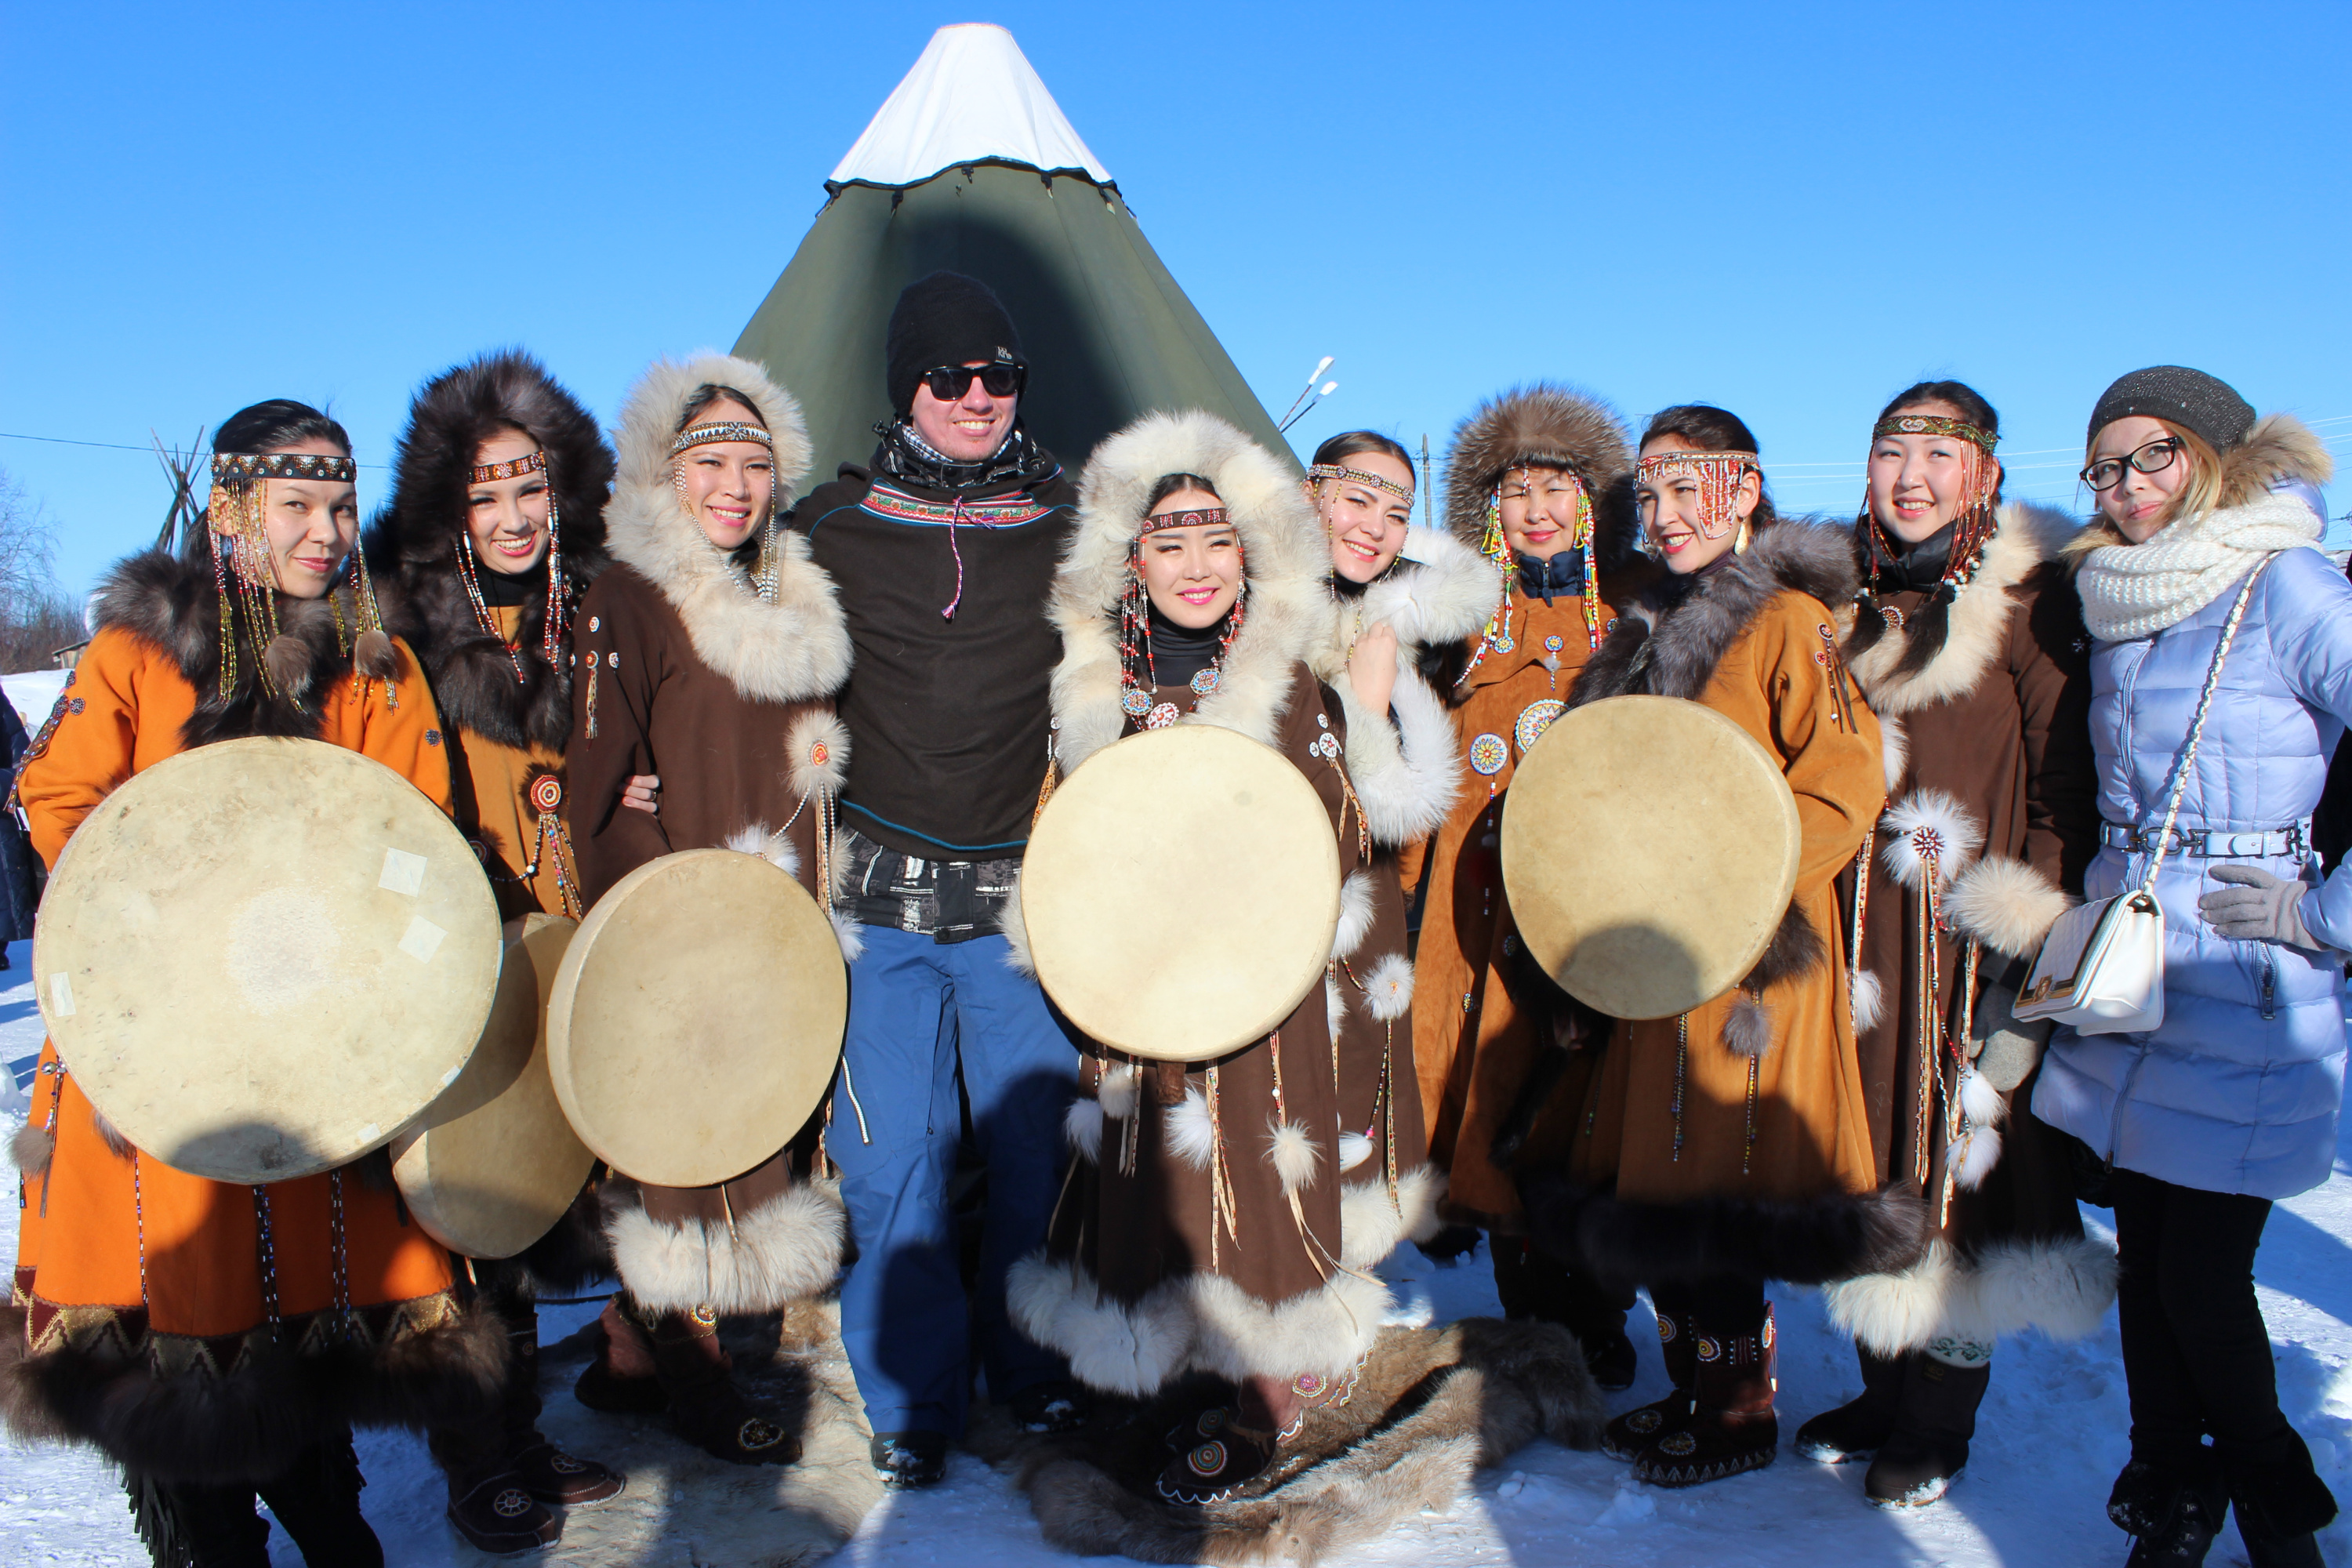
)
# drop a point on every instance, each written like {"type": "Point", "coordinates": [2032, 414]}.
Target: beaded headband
{"type": "Point", "coordinates": [487, 473]}
{"type": "Point", "coordinates": [1211, 517]}
{"type": "Point", "coordinates": [234, 467]}
{"type": "Point", "coordinates": [1357, 475]}
{"type": "Point", "coordinates": [1718, 475]}
{"type": "Point", "coordinates": [733, 430]}
{"type": "Point", "coordinates": [1933, 425]}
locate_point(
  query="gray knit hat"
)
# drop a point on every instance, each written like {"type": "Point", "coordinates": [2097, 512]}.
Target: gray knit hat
{"type": "Point", "coordinates": [2205, 405]}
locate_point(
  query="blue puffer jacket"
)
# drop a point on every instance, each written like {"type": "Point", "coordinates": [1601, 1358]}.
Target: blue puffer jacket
{"type": "Point", "coordinates": [2237, 1090]}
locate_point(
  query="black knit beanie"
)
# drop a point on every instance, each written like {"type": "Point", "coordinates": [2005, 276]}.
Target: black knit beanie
{"type": "Point", "coordinates": [2206, 406]}
{"type": "Point", "coordinates": [945, 319]}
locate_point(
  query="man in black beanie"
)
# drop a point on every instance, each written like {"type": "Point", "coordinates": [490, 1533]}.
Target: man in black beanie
{"type": "Point", "coordinates": [943, 552]}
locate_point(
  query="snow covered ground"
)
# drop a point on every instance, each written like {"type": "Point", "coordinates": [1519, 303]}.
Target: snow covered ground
{"type": "Point", "coordinates": [2050, 1441]}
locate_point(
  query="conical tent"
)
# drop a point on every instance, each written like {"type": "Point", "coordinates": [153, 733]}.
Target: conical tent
{"type": "Point", "coordinates": [970, 165]}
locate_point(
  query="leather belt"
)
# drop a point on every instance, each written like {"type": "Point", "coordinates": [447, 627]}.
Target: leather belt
{"type": "Point", "coordinates": [2209, 842]}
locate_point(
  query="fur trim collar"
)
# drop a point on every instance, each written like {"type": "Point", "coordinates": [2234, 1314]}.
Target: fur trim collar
{"type": "Point", "coordinates": [792, 650]}
{"type": "Point", "coordinates": [1439, 600]}
{"type": "Point", "coordinates": [1668, 643]}
{"type": "Point", "coordinates": [1900, 673]}
{"type": "Point", "coordinates": [171, 602]}
{"type": "Point", "coordinates": [1539, 423]}
{"type": "Point", "coordinates": [1288, 607]}
{"type": "Point", "coordinates": [411, 543]}
{"type": "Point", "coordinates": [2279, 446]}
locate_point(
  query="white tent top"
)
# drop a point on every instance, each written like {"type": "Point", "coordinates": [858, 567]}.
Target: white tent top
{"type": "Point", "coordinates": [972, 96]}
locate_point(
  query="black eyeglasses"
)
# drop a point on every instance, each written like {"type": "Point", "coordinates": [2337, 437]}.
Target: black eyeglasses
{"type": "Point", "coordinates": [948, 382]}
{"type": "Point", "coordinates": [2152, 458]}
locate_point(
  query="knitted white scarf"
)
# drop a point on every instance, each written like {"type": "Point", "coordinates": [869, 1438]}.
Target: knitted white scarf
{"type": "Point", "coordinates": [2135, 590]}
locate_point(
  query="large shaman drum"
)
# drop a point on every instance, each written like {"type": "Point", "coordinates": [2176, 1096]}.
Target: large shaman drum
{"type": "Point", "coordinates": [260, 959]}
{"type": "Point", "coordinates": [493, 1163]}
{"type": "Point", "coordinates": [1649, 849]}
{"type": "Point", "coordinates": [697, 1017]}
{"type": "Point", "coordinates": [1181, 892]}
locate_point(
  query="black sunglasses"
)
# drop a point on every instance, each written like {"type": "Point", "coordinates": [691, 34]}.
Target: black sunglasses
{"type": "Point", "coordinates": [2152, 458]}
{"type": "Point", "coordinates": [948, 382]}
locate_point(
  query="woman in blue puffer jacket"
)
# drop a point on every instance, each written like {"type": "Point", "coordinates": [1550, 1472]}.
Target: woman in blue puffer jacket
{"type": "Point", "coordinates": [2231, 1101]}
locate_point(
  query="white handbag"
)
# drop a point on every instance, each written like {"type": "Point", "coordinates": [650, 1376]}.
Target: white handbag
{"type": "Point", "coordinates": [2101, 968]}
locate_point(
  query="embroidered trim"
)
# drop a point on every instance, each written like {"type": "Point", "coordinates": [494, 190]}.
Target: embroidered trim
{"type": "Point", "coordinates": [1004, 512]}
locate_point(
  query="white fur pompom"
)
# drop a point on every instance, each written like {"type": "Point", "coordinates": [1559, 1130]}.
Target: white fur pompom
{"type": "Point", "coordinates": [1972, 1155]}
{"type": "Point", "coordinates": [1979, 1101]}
{"type": "Point", "coordinates": [1354, 1150]}
{"type": "Point", "coordinates": [1354, 914]}
{"type": "Point", "coordinates": [1082, 1124]}
{"type": "Point", "coordinates": [774, 847]}
{"type": "Point", "coordinates": [1387, 989]}
{"type": "Point", "coordinates": [1335, 1005]}
{"type": "Point", "coordinates": [1117, 1093]}
{"type": "Point", "coordinates": [1014, 927]}
{"type": "Point", "coordinates": [1191, 1135]}
{"type": "Point", "coordinates": [851, 934]}
{"type": "Point", "coordinates": [1927, 820]}
{"type": "Point", "coordinates": [1868, 999]}
{"type": "Point", "coordinates": [2006, 904]}
{"type": "Point", "coordinates": [1292, 1153]}
{"type": "Point", "coordinates": [1748, 1027]}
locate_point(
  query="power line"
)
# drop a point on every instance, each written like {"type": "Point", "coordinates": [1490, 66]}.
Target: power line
{"type": "Point", "coordinates": [112, 446]}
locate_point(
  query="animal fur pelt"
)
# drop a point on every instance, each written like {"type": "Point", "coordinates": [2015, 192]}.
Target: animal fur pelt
{"type": "Point", "coordinates": [1541, 423]}
{"type": "Point", "coordinates": [786, 1250]}
{"type": "Point", "coordinates": [1902, 671]}
{"type": "Point", "coordinates": [1669, 641]}
{"type": "Point", "coordinates": [2063, 1287]}
{"type": "Point", "coordinates": [1433, 1406]}
{"type": "Point", "coordinates": [171, 602]}
{"type": "Point", "coordinates": [412, 542]}
{"type": "Point", "coordinates": [198, 1423]}
{"type": "Point", "coordinates": [1796, 949]}
{"type": "Point", "coordinates": [1805, 1241]}
{"type": "Point", "coordinates": [1286, 611]}
{"type": "Point", "coordinates": [788, 651]}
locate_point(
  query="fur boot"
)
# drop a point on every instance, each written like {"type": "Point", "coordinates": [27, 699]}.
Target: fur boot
{"type": "Point", "coordinates": [1933, 1424]}
{"type": "Point", "coordinates": [489, 1504]}
{"type": "Point", "coordinates": [1731, 1428]}
{"type": "Point", "coordinates": [1855, 1429]}
{"type": "Point", "coordinates": [1626, 1436]}
{"type": "Point", "coordinates": [547, 1473]}
{"type": "Point", "coordinates": [621, 1380]}
{"type": "Point", "coordinates": [710, 1411]}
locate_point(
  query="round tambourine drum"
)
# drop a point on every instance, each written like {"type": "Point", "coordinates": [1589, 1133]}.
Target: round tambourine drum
{"type": "Point", "coordinates": [260, 959]}
{"type": "Point", "coordinates": [493, 1163]}
{"type": "Point", "coordinates": [697, 1017]}
{"type": "Point", "coordinates": [1649, 849]}
{"type": "Point", "coordinates": [1181, 892]}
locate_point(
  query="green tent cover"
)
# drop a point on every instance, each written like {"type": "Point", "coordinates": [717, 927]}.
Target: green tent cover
{"type": "Point", "coordinates": [1108, 335]}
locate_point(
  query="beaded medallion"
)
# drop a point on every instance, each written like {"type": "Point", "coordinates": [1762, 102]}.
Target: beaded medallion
{"type": "Point", "coordinates": [1204, 681]}
{"type": "Point", "coordinates": [1136, 701]}
{"type": "Point", "coordinates": [1488, 752]}
{"type": "Point", "coordinates": [1162, 715]}
{"type": "Point", "coordinates": [1534, 719]}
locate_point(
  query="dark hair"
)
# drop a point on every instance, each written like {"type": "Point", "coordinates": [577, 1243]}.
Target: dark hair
{"type": "Point", "coordinates": [1711, 429]}
{"type": "Point", "coordinates": [1171, 483]}
{"type": "Point", "coordinates": [274, 424]}
{"type": "Point", "coordinates": [712, 391]}
{"type": "Point", "coordinates": [1355, 443]}
{"type": "Point", "coordinates": [1960, 396]}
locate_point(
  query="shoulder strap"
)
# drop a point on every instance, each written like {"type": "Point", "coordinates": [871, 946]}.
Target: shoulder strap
{"type": "Point", "coordinates": [2197, 723]}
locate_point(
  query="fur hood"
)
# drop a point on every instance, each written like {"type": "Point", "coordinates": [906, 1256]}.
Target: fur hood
{"type": "Point", "coordinates": [1541, 423]}
{"type": "Point", "coordinates": [1904, 672]}
{"type": "Point", "coordinates": [413, 540]}
{"type": "Point", "coordinates": [1288, 607]}
{"type": "Point", "coordinates": [791, 650]}
{"type": "Point", "coordinates": [1669, 641]}
{"type": "Point", "coordinates": [171, 602]}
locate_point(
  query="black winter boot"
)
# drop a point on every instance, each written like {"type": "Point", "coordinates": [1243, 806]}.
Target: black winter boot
{"type": "Point", "coordinates": [1933, 1424]}
{"type": "Point", "coordinates": [317, 1503]}
{"type": "Point", "coordinates": [1855, 1429]}
{"type": "Point", "coordinates": [2172, 1514]}
{"type": "Point", "coordinates": [2281, 1502]}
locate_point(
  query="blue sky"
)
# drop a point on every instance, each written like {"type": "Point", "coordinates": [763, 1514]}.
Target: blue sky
{"type": "Point", "coordinates": [1791, 211]}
